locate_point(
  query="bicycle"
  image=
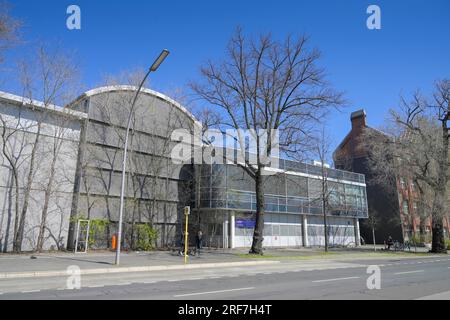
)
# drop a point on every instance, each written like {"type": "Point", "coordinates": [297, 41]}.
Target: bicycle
{"type": "Point", "coordinates": [398, 246]}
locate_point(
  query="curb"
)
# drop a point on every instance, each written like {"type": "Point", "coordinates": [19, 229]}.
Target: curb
{"type": "Point", "coordinates": [15, 275]}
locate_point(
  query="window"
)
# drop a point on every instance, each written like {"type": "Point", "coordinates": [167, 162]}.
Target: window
{"type": "Point", "coordinates": [402, 183]}
{"type": "Point", "coordinates": [405, 207]}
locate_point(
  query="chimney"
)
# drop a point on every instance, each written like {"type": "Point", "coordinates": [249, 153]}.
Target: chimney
{"type": "Point", "coordinates": [358, 119]}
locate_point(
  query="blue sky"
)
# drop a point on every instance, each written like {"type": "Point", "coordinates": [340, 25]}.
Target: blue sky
{"type": "Point", "coordinates": [373, 67]}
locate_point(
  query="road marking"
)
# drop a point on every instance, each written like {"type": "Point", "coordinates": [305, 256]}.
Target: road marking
{"type": "Point", "coordinates": [214, 278]}
{"type": "Point", "coordinates": [336, 279]}
{"type": "Point", "coordinates": [97, 286]}
{"type": "Point", "coordinates": [61, 289]}
{"type": "Point", "coordinates": [123, 284]}
{"type": "Point", "coordinates": [31, 291]}
{"type": "Point", "coordinates": [212, 292]}
{"type": "Point", "coordinates": [408, 272]}
{"type": "Point", "coordinates": [173, 280]}
{"type": "Point", "coordinates": [149, 282]}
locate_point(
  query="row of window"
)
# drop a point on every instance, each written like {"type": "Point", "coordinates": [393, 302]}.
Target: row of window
{"type": "Point", "coordinates": [405, 206]}
{"type": "Point", "coordinates": [403, 185]}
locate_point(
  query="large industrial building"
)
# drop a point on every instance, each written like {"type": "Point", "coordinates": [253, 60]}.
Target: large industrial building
{"type": "Point", "coordinates": [222, 196]}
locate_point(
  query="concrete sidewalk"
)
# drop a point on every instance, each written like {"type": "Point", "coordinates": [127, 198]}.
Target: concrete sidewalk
{"type": "Point", "coordinates": [46, 265]}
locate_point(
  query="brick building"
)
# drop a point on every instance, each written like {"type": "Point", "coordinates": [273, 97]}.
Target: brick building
{"type": "Point", "coordinates": [396, 204]}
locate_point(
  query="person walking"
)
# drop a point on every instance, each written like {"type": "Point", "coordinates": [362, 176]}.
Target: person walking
{"type": "Point", "coordinates": [182, 248]}
{"type": "Point", "coordinates": [199, 241]}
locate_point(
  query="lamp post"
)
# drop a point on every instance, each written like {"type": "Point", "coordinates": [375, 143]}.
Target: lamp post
{"type": "Point", "coordinates": [153, 68]}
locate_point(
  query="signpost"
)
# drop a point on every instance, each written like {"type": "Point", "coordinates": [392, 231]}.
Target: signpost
{"type": "Point", "coordinates": [187, 211]}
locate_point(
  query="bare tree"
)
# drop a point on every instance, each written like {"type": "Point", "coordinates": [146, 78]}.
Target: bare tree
{"type": "Point", "coordinates": [264, 86]}
{"type": "Point", "coordinates": [418, 144]}
{"type": "Point", "coordinates": [322, 151]}
{"type": "Point", "coordinates": [49, 78]}
{"type": "Point", "coordinates": [53, 153]}
{"type": "Point", "coordinates": [8, 28]}
{"type": "Point", "coordinates": [15, 147]}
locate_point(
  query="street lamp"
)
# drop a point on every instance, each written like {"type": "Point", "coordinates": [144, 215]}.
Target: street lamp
{"type": "Point", "coordinates": [153, 68]}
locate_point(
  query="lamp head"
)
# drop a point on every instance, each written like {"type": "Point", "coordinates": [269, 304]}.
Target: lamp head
{"type": "Point", "coordinates": [159, 60]}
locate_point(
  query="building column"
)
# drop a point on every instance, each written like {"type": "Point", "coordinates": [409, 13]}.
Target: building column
{"type": "Point", "coordinates": [231, 228]}
{"type": "Point", "coordinates": [226, 234]}
{"type": "Point", "coordinates": [357, 233]}
{"type": "Point", "coordinates": [305, 231]}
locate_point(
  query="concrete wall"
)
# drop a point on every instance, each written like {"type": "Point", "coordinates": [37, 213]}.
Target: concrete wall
{"type": "Point", "coordinates": [58, 129]}
{"type": "Point", "coordinates": [157, 189]}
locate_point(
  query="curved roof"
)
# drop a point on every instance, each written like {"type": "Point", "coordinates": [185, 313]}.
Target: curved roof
{"type": "Point", "coordinates": [118, 88]}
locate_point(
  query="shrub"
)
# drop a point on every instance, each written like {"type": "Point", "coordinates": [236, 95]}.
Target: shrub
{"type": "Point", "coordinates": [145, 237]}
{"type": "Point", "coordinates": [97, 230]}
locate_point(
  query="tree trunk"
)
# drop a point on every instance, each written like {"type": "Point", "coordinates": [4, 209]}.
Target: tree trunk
{"type": "Point", "coordinates": [440, 198]}
{"type": "Point", "coordinates": [26, 200]}
{"type": "Point", "coordinates": [48, 192]}
{"type": "Point", "coordinates": [373, 238]}
{"type": "Point", "coordinates": [438, 241]}
{"type": "Point", "coordinates": [257, 247]}
{"type": "Point", "coordinates": [16, 247]}
{"type": "Point", "coordinates": [325, 206]}
{"type": "Point", "coordinates": [325, 224]}
{"type": "Point", "coordinates": [8, 221]}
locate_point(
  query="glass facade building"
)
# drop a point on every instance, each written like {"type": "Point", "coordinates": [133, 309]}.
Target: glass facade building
{"type": "Point", "coordinates": [294, 195]}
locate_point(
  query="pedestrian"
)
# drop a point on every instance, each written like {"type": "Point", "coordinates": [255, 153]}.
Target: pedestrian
{"type": "Point", "coordinates": [390, 243]}
{"type": "Point", "coordinates": [199, 240]}
{"type": "Point", "coordinates": [182, 248]}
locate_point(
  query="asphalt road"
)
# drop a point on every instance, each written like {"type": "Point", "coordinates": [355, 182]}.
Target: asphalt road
{"type": "Point", "coordinates": [419, 278]}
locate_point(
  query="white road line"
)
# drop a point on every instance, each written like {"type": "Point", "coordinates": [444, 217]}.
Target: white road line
{"type": "Point", "coordinates": [214, 278]}
{"type": "Point", "coordinates": [123, 284]}
{"type": "Point", "coordinates": [336, 279]}
{"type": "Point", "coordinates": [408, 272]}
{"type": "Point", "coordinates": [97, 286]}
{"type": "Point", "coordinates": [173, 280]}
{"type": "Point", "coordinates": [31, 291]}
{"type": "Point", "coordinates": [212, 292]}
{"type": "Point", "coordinates": [149, 282]}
